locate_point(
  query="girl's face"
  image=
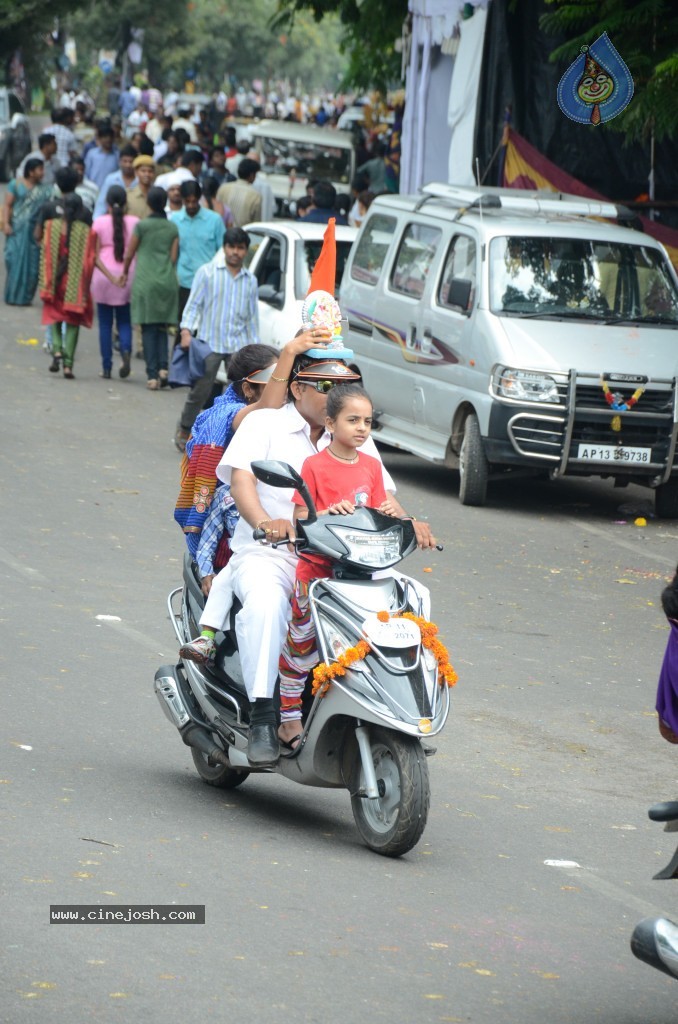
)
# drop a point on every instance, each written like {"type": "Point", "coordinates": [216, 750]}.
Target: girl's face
{"type": "Point", "coordinates": [353, 423]}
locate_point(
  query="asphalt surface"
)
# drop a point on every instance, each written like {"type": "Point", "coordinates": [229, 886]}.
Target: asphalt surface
{"type": "Point", "coordinates": [548, 600]}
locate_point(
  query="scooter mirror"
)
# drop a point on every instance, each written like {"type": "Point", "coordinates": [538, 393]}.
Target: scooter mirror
{"type": "Point", "coordinates": [277, 474]}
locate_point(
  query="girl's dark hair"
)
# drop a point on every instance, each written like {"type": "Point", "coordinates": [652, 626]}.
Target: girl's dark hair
{"type": "Point", "coordinates": [72, 207]}
{"type": "Point", "coordinates": [210, 187]}
{"type": "Point", "coordinates": [116, 197]}
{"type": "Point", "coordinates": [31, 165]}
{"type": "Point", "coordinates": [669, 598]}
{"type": "Point", "coordinates": [157, 199]}
{"type": "Point", "coordinates": [339, 395]}
{"type": "Point", "coordinates": [247, 360]}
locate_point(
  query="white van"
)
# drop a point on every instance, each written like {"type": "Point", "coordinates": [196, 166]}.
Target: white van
{"type": "Point", "coordinates": [291, 153]}
{"type": "Point", "coordinates": [497, 329]}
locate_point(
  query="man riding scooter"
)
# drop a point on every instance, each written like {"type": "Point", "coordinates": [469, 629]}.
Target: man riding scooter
{"type": "Point", "coordinates": [261, 576]}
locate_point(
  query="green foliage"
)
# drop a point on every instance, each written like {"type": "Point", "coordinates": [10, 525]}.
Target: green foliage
{"type": "Point", "coordinates": [645, 33]}
{"type": "Point", "coordinates": [371, 28]}
{"type": "Point", "coordinates": [26, 25]}
{"type": "Point", "coordinates": [214, 39]}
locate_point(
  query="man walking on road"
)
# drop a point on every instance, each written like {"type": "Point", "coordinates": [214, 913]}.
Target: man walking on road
{"type": "Point", "coordinates": [221, 316]}
{"type": "Point", "coordinates": [201, 236]}
{"type": "Point", "coordinates": [241, 196]}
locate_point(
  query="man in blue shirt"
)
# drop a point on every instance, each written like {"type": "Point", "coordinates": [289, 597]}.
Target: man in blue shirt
{"type": "Point", "coordinates": [124, 176]}
{"type": "Point", "coordinates": [221, 315]}
{"type": "Point", "coordinates": [103, 160]}
{"type": "Point", "coordinates": [201, 236]}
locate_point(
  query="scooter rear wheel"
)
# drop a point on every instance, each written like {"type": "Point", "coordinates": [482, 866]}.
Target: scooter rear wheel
{"type": "Point", "coordinates": [217, 774]}
{"type": "Point", "coordinates": [394, 823]}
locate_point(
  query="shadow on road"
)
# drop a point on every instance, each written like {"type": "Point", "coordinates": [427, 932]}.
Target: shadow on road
{"type": "Point", "coordinates": [592, 497]}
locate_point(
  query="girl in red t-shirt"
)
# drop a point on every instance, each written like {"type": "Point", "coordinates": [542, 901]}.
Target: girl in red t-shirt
{"type": "Point", "coordinates": [339, 479]}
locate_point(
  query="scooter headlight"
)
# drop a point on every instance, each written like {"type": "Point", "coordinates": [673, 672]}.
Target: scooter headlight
{"type": "Point", "coordinates": [338, 643]}
{"type": "Point", "coordinates": [373, 550]}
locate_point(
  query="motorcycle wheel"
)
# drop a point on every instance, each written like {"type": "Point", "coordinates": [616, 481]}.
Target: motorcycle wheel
{"type": "Point", "coordinates": [394, 823]}
{"type": "Point", "coordinates": [217, 774]}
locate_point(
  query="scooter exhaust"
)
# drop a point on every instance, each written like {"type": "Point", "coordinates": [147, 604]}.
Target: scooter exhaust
{"type": "Point", "coordinates": [172, 703]}
{"type": "Point", "coordinates": [195, 736]}
{"type": "Point", "coordinates": [168, 693]}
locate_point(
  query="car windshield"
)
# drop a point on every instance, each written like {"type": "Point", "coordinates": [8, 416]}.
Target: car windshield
{"type": "Point", "coordinates": [307, 253]}
{"type": "Point", "coordinates": [569, 277]}
{"type": "Point", "coordinates": [308, 160]}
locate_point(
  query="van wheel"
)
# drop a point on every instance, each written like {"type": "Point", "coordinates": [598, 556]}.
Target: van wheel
{"type": "Point", "coordinates": [666, 500]}
{"type": "Point", "coordinates": [474, 469]}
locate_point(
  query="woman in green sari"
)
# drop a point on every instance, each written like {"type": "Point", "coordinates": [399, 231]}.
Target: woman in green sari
{"type": "Point", "coordinates": [24, 199]}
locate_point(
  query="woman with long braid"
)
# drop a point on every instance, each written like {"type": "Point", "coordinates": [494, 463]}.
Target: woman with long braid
{"type": "Point", "coordinates": [67, 256]}
{"type": "Point", "coordinates": [113, 231]}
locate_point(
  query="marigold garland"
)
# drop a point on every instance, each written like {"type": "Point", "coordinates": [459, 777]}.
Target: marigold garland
{"type": "Point", "coordinates": [620, 406]}
{"type": "Point", "coordinates": [323, 674]}
{"type": "Point", "coordinates": [429, 630]}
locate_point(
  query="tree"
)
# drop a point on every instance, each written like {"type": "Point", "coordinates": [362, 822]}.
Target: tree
{"type": "Point", "coordinates": [19, 19]}
{"type": "Point", "coordinates": [371, 28]}
{"type": "Point", "coordinates": [213, 39]}
{"type": "Point", "coordinates": [645, 33]}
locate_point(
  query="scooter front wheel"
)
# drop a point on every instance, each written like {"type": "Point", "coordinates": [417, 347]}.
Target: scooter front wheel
{"type": "Point", "coordinates": [394, 822]}
{"type": "Point", "coordinates": [218, 775]}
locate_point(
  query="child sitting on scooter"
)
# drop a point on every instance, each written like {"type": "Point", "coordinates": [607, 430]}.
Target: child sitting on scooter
{"type": "Point", "coordinates": [667, 691]}
{"type": "Point", "coordinates": [339, 479]}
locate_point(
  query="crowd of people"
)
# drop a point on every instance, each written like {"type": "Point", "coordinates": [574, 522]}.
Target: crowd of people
{"type": "Point", "coordinates": [128, 217]}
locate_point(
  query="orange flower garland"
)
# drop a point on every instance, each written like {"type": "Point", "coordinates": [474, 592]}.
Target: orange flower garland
{"type": "Point", "coordinates": [323, 674]}
{"type": "Point", "coordinates": [429, 630]}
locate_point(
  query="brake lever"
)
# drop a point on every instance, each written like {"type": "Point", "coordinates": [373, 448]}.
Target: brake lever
{"type": "Point", "coordinates": [260, 534]}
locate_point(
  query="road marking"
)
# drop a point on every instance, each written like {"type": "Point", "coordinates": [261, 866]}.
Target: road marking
{"type": "Point", "coordinates": [134, 634]}
{"type": "Point", "coordinates": [606, 535]}
{"type": "Point", "coordinates": [24, 570]}
{"type": "Point", "coordinates": [605, 888]}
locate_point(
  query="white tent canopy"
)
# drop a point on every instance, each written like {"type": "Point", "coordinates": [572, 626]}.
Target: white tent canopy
{"type": "Point", "coordinates": [441, 92]}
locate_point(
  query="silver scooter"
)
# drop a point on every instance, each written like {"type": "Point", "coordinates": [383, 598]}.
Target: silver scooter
{"type": "Point", "coordinates": [365, 733]}
{"type": "Point", "coordinates": [655, 939]}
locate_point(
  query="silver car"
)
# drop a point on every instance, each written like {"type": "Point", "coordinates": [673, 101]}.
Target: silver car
{"type": "Point", "coordinates": [15, 134]}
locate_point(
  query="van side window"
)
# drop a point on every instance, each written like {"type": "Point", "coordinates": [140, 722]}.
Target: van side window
{"type": "Point", "coordinates": [417, 248]}
{"type": "Point", "coordinates": [457, 287]}
{"type": "Point", "coordinates": [372, 247]}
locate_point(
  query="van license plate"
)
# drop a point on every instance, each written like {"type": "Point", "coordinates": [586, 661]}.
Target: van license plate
{"type": "Point", "coordinates": [614, 453]}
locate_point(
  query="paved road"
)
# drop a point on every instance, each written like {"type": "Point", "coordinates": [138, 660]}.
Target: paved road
{"type": "Point", "coordinates": [550, 608]}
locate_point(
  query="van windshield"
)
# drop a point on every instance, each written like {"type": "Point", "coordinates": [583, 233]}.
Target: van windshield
{"type": "Point", "coordinates": [308, 160]}
{"type": "Point", "coordinates": [569, 277]}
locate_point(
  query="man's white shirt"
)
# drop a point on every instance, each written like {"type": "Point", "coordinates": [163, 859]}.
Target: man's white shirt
{"type": "Point", "coordinates": [285, 436]}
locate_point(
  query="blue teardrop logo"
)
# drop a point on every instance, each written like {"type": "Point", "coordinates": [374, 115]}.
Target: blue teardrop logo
{"type": "Point", "coordinates": [597, 86]}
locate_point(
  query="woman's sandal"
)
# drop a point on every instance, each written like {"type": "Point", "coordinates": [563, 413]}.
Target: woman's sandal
{"type": "Point", "coordinates": [164, 378]}
{"type": "Point", "coordinates": [152, 385]}
{"type": "Point", "coordinates": [68, 373]}
{"type": "Point", "coordinates": [55, 365]}
{"type": "Point", "coordinates": [290, 744]}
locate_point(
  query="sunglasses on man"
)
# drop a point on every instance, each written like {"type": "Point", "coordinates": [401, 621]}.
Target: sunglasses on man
{"type": "Point", "coordinates": [323, 386]}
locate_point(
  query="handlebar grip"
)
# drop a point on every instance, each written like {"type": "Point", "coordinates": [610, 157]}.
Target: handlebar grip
{"type": "Point", "coordinates": [259, 534]}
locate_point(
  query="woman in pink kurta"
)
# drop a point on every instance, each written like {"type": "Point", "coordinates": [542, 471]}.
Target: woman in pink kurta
{"type": "Point", "coordinates": [113, 230]}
